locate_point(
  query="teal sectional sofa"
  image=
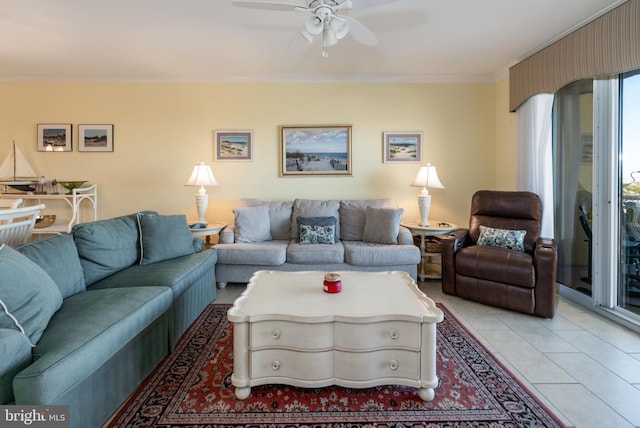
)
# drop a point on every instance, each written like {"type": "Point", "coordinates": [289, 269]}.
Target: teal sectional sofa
{"type": "Point", "coordinates": [86, 316]}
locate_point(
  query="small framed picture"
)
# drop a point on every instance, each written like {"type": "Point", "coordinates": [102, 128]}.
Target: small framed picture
{"type": "Point", "coordinates": [54, 137]}
{"type": "Point", "coordinates": [234, 145]}
{"type": "Point", "coordinates": [402, 147]}
{"type": "Point", "coordinates": [95, 138]}
{"type": "Point", "coordinates": [315, 150]}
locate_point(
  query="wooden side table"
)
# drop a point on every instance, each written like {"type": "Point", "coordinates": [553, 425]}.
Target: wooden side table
{"type": "Point", "coordinates": [429, 269]}
{"type": "Point", "coordinates": [212, 228]}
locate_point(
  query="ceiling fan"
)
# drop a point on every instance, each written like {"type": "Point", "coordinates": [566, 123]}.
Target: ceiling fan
{"type": "Point", "coordinates": [325, 19]}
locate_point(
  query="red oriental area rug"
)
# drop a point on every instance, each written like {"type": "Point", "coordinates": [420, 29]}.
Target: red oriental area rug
{"type": "Point", "coordinates": [192, 388]}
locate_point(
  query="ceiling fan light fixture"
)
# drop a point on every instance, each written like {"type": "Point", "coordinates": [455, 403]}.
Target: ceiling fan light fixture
{"type": "Point", "coordinates": [314, 25]}
{"type": "Point", "coordinates": [307, 35]}
{"type": "Point", "coordinates": [339, 27]}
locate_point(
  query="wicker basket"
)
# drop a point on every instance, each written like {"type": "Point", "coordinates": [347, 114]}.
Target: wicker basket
{"type": "Point", "coordinates": [432, 244]}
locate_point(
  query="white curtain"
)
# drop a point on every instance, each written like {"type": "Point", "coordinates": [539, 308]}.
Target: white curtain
{"type": "Point", "coordinates": [534, 154]}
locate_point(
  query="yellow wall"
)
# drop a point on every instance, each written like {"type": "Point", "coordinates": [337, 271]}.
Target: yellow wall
{"type": "Point", "coordinates": [163, 129]}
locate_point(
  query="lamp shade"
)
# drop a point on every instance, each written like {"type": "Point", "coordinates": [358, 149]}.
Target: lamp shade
{"type": "Point", "coordinates": [428, 177]}
{"type": "Point", "coordinates": [201, 176]}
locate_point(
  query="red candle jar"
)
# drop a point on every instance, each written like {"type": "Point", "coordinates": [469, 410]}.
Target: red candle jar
{"type": "Point", "coordinates": [332, 283]}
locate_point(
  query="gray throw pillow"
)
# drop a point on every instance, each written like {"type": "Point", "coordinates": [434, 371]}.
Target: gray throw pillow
{"type": "Point", "coordinates": [252, 224]}
{"type": "Point", "coordinates": [382, 225]}
{"type": "Point", "coordinates": [353, 214]}
{"type": "Point", "coordinates": [28, 295]}
{"type": "Point", "coordinates": [279, 216]}
{"type": "Point", "coordinates": [164, 237]}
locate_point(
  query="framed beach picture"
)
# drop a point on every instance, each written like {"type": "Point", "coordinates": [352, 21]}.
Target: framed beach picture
{"type": "Point", "coordinates": [53, 137]}
{"type": "Point", "coordinates": [95, 138]}
{"type": "Point", "coordinates": [233, 145]}
{"type": "Point", "coordinates": [402, 147]}
{"type": "Point", "coordinates": [315, 150]}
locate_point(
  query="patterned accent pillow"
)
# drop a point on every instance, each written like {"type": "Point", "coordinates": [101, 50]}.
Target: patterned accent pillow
{"type": "Point", "coordinates": [492, 237]}
{"type": "Point", "coordinates": [316, 230]}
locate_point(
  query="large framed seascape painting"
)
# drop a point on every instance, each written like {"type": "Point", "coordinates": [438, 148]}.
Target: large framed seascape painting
{"type": "Point", "coordinates": [402, 147]}
{"type": "Point", "coordinates": [54, 137]}
{"type": "Point", "coordinates": [233, 145]}
{"type": "Point", "coordinates": [315, 150]}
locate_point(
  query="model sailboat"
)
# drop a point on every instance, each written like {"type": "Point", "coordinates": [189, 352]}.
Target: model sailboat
{"type": "Point", "coordinates": [16, 172]}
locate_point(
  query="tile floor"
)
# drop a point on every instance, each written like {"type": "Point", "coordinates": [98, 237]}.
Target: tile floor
{"type": "Point", "coordinates": [584, 367]}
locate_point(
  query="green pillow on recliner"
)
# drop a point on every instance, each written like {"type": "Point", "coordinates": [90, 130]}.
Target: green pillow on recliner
{"type": "Point", "coordinates": [28, 295]}
{"type": "Point", "coordinates": [164, 237]}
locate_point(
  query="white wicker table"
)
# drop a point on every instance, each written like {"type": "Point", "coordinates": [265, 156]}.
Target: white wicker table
{"type": "Point", "coordinates": [381, 329]}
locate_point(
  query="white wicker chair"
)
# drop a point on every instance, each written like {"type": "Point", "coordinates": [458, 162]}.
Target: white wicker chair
{"type": "Point", "coordinates": [16, 225]}
{"type": "Point", "coordinates": [10, 203]}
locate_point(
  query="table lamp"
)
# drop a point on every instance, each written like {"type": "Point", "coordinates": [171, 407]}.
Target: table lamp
{"type": "Point", "coordinates": [427, 177]}
{"type": "Point", "coordinates": [202, 176]}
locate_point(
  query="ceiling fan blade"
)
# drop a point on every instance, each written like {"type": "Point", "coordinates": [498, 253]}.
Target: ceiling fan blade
{"type": "Point", "coordinates": [372, 3]}
{"type": "Point", "coordinates": [360, 32]}
{"type": "Point", "coordinates": [272, 5]}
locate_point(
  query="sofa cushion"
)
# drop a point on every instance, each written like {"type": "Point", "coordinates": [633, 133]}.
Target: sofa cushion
{"type": "Point", "coordinates": [353, 213]}
{"type": "Point", "coordinates": [359, 253]}
{"type": "Point", "coordinates": [506, 238]}
{"type": "Point", "coordinates": [106, 246]}
{"type": "Point", "coordinates": [496, 264]}
{"type": "Point", "coordinates": [58, 256]}
{"type": "Point", "coordinates": [164, 237]}
{"type": "Point", "coordinates": [178, 273]}
{"type": "Point", "coordinates": [252, 224]}
{"type": "Point", "coordinates": [279, 216]}
{"type": "Point", "coordinates": [257, 253]}
{"type": "Point", "coordinates": [315, 254]}
{"type": "Point", "coordinates": [382, 225]}
{"type": "Point", "coordinates": [28, 295]}
{"type": "Point", "coordinates": [314, 208]}
{"type": "Point", "coordinates": [86, 332]}
{"type": "Point", "coordinates": [15, 349]}
{"type": "Point", "coordinates": [316, 230]}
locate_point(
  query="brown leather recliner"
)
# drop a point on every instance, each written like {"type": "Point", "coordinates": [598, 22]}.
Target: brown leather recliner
{"type": "Point", "coordinates": [524, 281]}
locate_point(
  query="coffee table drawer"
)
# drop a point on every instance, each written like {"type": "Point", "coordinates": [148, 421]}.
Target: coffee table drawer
{"type": "Point", "coordinates": [306, 366]}
{"type": "Point", "coordinates": [286, 334]}
{"type": "Point", "coordinates": [385, 334]}
{"type": "Point", "coordinates": [388, 363]}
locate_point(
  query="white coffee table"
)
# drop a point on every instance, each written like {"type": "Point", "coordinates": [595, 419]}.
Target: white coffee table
{"type": "Point", "coordinates": [380, 330]}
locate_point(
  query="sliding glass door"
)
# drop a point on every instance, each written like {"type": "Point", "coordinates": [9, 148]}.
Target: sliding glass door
{"type": "Point", "coordinates": [628, 292]}
{"type": "Point", "coordinates": [573, 170]}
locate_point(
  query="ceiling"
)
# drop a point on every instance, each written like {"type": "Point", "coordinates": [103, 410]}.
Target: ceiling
{"type": "Point", "coordinates": [212, 40]}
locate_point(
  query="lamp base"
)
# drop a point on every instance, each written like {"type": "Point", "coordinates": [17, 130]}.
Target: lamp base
{"type": "Point", "coordinates": [202, 203]}
{"type": "Point", "coordinates": [424, 205]}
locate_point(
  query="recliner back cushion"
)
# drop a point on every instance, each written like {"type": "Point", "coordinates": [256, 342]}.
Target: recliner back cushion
{"type": "Point", "coordinates": [507, 210]}
{"type": "Point", "coordinates": [107, 246]}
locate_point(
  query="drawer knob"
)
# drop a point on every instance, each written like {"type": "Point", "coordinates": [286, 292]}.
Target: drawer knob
{"type": "Point", "coordinates": [394, 334]}
{"type": "Point", "coordinates": [393, 365]}
{"type": "Point", "coordinates": [276, 334]}
{"type": "Point", "coordinates": [275, 365]}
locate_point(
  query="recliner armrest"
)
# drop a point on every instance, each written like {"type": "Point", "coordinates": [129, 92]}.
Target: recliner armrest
{"type": "Point", "coordinates": [545, 260]}
{"type": "Point", "coordinates": [451, 243]}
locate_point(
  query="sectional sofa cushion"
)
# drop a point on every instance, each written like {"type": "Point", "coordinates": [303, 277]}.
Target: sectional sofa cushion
{"type": "Point", "coordinates": [382, 225]}
{"type": "Point", "coordinates": [279, 216]}
{"type": "Point", "coordinates": [107, 246]}
{"type": "Point", "coordinates": [28, 295]}
{"type": "Point", "coordinates": [84, 334]}
{"type": "Point", "coordinates": [252, 224]}
{"type": "Point", "coordinates": [163, 237]}
{"type": "Point", "coordinates": [314, 208]}
{"type": "Point", "coordinates": [59, 257]}
{"type": "Point", "coordinates": [15, 349]}
{"type": "Point", "coordinates": [353, 214]}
